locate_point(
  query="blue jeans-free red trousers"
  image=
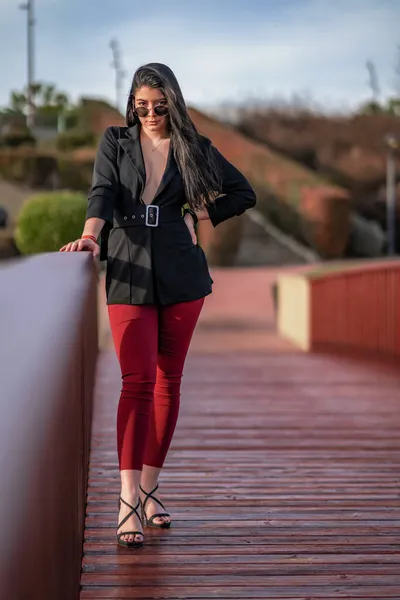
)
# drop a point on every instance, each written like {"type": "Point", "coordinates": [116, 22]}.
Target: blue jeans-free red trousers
{"type": "Point", "coordinates": [151, 342]}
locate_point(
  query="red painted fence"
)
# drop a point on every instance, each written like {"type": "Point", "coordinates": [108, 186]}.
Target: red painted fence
{"type": "Point", "coordinates": [357, 309]}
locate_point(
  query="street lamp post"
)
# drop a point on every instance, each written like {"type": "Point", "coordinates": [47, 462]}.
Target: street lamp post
{"type": "Point", "coordinates": [119, 72]}
{"type": "Point", "coordinates": [28, 7]}
{"type": "Point", "coordinates": [392, 144]}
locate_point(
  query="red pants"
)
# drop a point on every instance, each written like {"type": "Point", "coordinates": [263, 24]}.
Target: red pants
{"type": "Point", "coordinates": [151, 344]}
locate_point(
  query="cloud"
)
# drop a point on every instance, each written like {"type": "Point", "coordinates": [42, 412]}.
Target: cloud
{"type": "Point", "coordinates": [311, 46]}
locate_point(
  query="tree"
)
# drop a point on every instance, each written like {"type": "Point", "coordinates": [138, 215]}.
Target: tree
{"type": "Point", "coordinates": [48, 92]}
{"type": "Point", "coordinates": [18, 102]}
{"type": "Point", "coordinates": [375, 106]}
{"type": "Point", "coordinates": [45, 97]}
{"type": "Point", "coordinates": [371, 108]}
{"type": "Point", "coordinates": [393, 107]}
{"type": "Point", "coordinates": [61, 100]}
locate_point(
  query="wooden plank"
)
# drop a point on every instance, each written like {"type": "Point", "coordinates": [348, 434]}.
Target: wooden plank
{"type": "Point", "coordinates": [123, 573]}
{"type": "Point", "coordinates": [240, 577]}
{"type": "Point", "coordinates": [362, 546]}
{"type": "Point", "coordinates": [284, 540]}
{"type": "Point", "coordinates": [217, 513]}
{"type": "Point", "coordinates": [262, 557]}
{"type": "Point", "coordinates": [253, 528]}
{"type": "Point", "coordinates": [240, 592]}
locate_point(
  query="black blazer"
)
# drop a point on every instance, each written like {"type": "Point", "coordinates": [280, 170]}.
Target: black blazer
{"type": "Point", "coordinates": [147, 264]}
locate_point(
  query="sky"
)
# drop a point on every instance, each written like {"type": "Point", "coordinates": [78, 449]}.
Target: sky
{"type": "Point", "coordinates": [222, 51]}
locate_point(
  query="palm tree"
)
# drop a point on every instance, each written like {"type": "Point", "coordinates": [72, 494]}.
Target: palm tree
{"type": "Point", "coordinates": [61, 100]}
{"type": "Point", "coordinates": [47, 94]}
{"type": "Point", "coordinates": [18, 102]}
{"type": "Point", "coordinates": [36, 91]}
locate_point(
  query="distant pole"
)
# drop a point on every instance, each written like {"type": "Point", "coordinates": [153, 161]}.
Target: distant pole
{"type": "Point", "coordinates": [119, 73]}
{"type": "Point", "coordinates": [373, 81]}
{"type": "Point", "coordinates": [392, 144]}
{"type": "Point", "coordinates": [28, 7]}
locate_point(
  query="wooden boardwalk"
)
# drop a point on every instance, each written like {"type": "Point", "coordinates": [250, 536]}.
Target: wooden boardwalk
{"type": "Point", "coordinates": [283, 476]}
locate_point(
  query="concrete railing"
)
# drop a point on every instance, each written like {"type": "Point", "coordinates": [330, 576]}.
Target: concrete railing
{"type": "Point", "coordinates": [344, 306]}
{"type": "Point", "coordinates": [48, 351]}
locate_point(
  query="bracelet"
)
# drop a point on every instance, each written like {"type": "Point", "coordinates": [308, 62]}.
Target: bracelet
{"type": "Point", "coordinates": [191, 212]}
{"type": "Point", "coordinates": [89, 237]}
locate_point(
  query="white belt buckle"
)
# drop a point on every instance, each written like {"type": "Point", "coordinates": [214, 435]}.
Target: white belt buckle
{"type": "Point", "coordinates": [152, 215]}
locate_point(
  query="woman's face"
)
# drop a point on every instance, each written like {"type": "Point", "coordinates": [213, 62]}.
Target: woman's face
{"type": "Point", "coordinates": [149, 98]}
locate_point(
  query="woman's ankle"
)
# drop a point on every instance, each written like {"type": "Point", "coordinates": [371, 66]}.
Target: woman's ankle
{"type": "Point", "coordinates": [130, 485]}
{"type": "Point", "coordinates": [148, 487]}
{"type": "Point", "coordinates": [129, 495]}
{"type": "Point", "coordinates": [149, 478]}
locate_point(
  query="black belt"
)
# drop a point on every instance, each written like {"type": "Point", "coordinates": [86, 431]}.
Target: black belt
{"type": "Point", "coordinates": [150, 215]}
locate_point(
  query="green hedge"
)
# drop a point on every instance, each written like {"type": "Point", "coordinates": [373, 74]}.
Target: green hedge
{"type": "Point", "coordinates": [50, 220]}
{"type": "Point", "coordinates": [38, 169]}
{"type": "Point", "coordinates": [70, 140]}
{"type": "Point", "coordinates": [17, 138]}
{"type": "Point", "coordinates": [27, 166]}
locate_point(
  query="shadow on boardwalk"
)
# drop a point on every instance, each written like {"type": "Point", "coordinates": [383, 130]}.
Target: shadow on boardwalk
{"type": "Point", "coordinates": [283, 474]}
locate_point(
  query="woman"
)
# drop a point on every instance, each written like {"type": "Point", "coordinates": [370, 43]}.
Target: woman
{"type": "Point", "coordinates": [152, 181]}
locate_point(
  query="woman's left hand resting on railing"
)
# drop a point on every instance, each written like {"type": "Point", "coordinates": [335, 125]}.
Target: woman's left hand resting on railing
{"type": "Point", "coordinates": [88, 240]}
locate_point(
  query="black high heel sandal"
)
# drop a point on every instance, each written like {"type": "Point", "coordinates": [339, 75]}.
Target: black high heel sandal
{"type": "Point", "coordinates": [124, 520]}
{"type": "Point", "coordinates": [150, 522]}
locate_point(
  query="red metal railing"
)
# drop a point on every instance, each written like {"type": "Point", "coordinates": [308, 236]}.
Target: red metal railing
{"type": "Point", "coordinates": [357, 309]}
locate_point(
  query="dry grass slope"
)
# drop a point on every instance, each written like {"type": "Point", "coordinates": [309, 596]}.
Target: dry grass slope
{"type": "Point", "coordinates": [298, 200]}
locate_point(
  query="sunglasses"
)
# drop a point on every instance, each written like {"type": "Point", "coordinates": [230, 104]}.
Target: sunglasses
{"type": "Point", "coordinates": [161, 111]}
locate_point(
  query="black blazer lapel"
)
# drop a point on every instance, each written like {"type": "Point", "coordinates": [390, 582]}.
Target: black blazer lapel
{"type": "Point", "coordinates": [132, 148]}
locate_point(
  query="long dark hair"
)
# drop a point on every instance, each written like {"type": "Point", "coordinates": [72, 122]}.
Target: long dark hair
{"type": "Point", "coordinates": [195, 160]}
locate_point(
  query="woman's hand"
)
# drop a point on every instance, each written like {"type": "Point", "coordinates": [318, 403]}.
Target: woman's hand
{"type": "Point", "coordinates": [85, 245]}
{"type": "Point", "coordinates": [190, 225]}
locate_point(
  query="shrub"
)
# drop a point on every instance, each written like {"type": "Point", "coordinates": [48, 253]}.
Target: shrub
{"type": "Point", "coordinates": [50, 220]}
{"type": "Point", "coordinates": [42, 170]}
{"type": "Point", "coordinates": [27, 166]}
{"type": "Point", "coordinates": [14, 139]}
{"type": "Point", "coordinates": [70, 140]}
